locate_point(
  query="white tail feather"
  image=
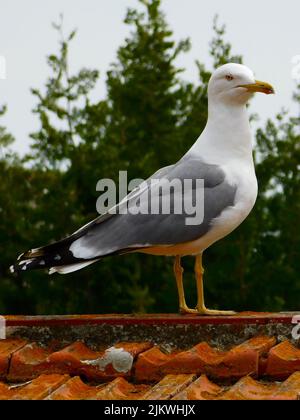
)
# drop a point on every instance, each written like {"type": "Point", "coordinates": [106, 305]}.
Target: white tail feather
{"type": "Point", "coordinates": [66, 269]}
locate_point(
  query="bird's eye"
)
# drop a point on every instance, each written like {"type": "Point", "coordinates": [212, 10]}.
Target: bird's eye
{"type": "Point", "coordinates": [229, 77]}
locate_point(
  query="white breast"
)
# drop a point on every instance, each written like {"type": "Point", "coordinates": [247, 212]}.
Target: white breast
{"type": "Point", "coordinates": [243, 176]}
{"type": "Point", "coordinates": [245, 179]}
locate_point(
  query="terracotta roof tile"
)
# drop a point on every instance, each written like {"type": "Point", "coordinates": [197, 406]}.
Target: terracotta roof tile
{"type": "Point", "coordinates": [283, 360]}
{"type": "Point", "coordinates": [237, 362]}
{"type": "Point", "coordinates": [149, 365]}
{"type": "Point", "coordinates": [7, 347]}
{"type": "Point", "coordinates": [76, 359]}
{"type": "Point", "coordinates": [201, 389]}
{"type": "Point", "coordinates": [194, 367]}
{"type": "Point", "coordinates": [74, 389]}
{"type": "Point", "coordinates": [120, 389]}
{"type": "Point", "coordinates": [39, 389]}
{"type": "Point", "coordinates": [62, 387]}
{"type": "Point", "coordinates": [29, 362]}
{"type": "Point", "coordinates": [168, 387]}
{"type": "Point", "coordinates": [249, 389]}
{"type": "Point", "coordinates": [4, 392]}
{"type": "Point", "coordinates": [179, 387]}
{"type": "Point", "coordinates": [176, 387]}
{"type": "Point", "coordinates": [245, 389]}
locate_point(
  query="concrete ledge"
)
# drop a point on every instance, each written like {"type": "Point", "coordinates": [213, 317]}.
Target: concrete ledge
{"type": "Point", "coordinates": [169, 331]}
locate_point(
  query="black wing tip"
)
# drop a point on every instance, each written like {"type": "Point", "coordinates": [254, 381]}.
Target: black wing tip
{"type": "Point", "coordinates": [25, 263]}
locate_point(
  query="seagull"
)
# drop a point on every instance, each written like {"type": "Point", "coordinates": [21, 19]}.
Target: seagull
{"type": "Point", "coordinates": [222, 158]}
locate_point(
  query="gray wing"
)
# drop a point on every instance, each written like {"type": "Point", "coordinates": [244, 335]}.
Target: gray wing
{"type": "Point", "coordinates": [116, 233]}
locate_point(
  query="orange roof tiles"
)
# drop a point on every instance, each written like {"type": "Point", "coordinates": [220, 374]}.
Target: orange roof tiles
{"type": "Point", "coordinates": [168, 387]}
{"type": "Point", "coordinates": [237, 362]}
{"type": "Point", "coordinates": [175, 387]}
{"type": "Point", "coordinates": [76, 359]}
{"type": "Point", "coordinates": [201, 389]}
{"type": "Point", "coordinates": [38, 389]}
{"type": "Point", "coordinates": [249, 389]}
{"type": "Point", "coordinates": [7, 347]}
{"type": "Point", "coordinates": [118, 389]}
{"type": "Point", "coordinates": [261, 368]}
{"type": "Point", "coordinates": [283, 360]}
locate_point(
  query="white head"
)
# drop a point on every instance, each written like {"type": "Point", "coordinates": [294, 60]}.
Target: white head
{"type": "Point", "coordinates": [235, 84]}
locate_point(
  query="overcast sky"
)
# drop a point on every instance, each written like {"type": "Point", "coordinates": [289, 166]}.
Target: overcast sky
{"type": "Point", "coordinates": [266, 33]}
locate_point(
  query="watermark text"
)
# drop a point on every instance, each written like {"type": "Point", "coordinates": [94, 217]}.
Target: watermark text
{"type": "Point", "coordinates": [156, 197]}
{"type": "Point", "coordinates": [2, 328]}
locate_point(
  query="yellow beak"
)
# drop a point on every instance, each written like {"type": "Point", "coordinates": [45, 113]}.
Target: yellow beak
{"type": "Point", "coordinates": [259, 86]}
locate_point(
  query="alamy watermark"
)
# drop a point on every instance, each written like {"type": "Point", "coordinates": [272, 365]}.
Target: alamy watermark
{"type": "Point", "coordinates": [2, 328]}
{"type": "Point", "coordinates": [156, 196]}
{"type": "Point", "coordinates": [2, 67]}
{"type": "Point", "coordinates": [296, 68]}
{"type": "Point", "coordinates": [296, 329]}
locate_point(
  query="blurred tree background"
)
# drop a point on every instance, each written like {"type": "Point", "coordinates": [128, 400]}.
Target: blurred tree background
{"type": "Point", "coordinates": [149, 118]}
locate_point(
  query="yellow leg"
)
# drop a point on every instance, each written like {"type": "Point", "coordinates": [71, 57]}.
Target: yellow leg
{"type": "Point", "coordinates": [201, 308]}
{"type": "Point", "coordinates": [178, 271]}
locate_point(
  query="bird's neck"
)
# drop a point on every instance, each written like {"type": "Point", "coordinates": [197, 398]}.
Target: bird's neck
{"type": "Point", "coordinates": [227, 134]}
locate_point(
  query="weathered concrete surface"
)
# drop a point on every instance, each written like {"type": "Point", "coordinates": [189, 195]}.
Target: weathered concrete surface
{"type": "Point", "coordinates": [168, 331]}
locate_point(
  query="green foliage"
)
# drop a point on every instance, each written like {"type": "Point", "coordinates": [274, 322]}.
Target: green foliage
{"type": "Point", "coordinates": [6, 139]}
{"type": "Point", "coordinates": [144, 94]}
{"type": "Point", "coordinates": [149, 118]}
{"type": "Point", "coordinates": [220, 50]}
{"type": "Point", "coordinates": [61, 109]}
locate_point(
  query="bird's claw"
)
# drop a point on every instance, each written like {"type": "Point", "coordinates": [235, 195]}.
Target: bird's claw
{"type": "Point", "coordinates": [187, 311]}
{"type": "Point", "coordinates": [211, 312]}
